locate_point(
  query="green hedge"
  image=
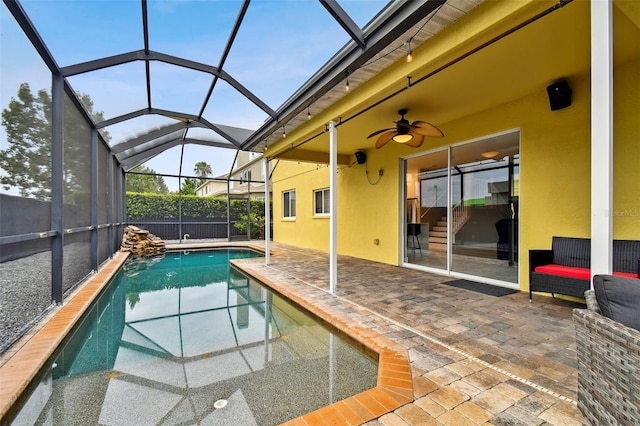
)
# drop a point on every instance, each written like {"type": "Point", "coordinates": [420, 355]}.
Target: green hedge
{"type": "Point", "coordinates": [160, 206]}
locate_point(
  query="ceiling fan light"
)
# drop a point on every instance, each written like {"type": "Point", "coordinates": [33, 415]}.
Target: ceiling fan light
{"type": "Point", "coordinates": [490, 154]}
{"type": "Point", "coordinates": [403, 138]}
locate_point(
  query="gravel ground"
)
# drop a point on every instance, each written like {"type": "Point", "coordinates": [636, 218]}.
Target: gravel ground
{"type": "Point", "coordinates": [25, 288]}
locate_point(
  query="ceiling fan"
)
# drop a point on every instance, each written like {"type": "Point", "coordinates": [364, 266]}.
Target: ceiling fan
{"type": "Point", "coordinates": [409, 134]}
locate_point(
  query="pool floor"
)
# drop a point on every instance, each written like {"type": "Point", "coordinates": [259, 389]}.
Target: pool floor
{"type": "Point", "coordinates": [190, 339]}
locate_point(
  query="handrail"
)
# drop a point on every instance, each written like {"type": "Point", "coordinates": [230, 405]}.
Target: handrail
{"type": "Point", "coordinates": [460, 215]}
{"type": "Point", "coordinates": [432, 206]}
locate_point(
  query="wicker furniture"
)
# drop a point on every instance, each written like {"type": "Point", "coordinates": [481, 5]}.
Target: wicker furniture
{"type": "Point", "coordinates": [575, 255]}
{"type": "Point", "coordinates": [608, 367]}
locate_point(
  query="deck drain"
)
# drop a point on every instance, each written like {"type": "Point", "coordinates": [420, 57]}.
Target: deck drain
{"type": "Point", "coordinates": [221, 403]}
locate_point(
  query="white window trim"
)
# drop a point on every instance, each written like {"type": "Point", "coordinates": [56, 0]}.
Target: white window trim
{"type": "Point", "coordinates": [289, 191]}
{"type": "Point", "coordinates": [326, 208]}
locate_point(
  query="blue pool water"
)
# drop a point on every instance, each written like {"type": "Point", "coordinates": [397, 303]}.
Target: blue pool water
{"type": "Point", "coordinates": [187, 339]}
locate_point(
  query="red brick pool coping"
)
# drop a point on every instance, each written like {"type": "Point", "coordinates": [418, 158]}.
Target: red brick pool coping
{"type": "Point", "coordinates": [21, 363]}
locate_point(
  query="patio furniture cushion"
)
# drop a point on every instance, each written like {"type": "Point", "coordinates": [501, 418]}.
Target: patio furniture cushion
{"type": "Point", "coordinates": [564, 271]}
{"type": "Point", "coordinates": [619, 299]}
{"type": "Point", "coordinates": [625, 274]}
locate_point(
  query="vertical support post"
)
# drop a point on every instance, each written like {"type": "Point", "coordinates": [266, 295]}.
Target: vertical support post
{"type": "Point", "coordinates": [110, 204]}
{"type": "Point", "coordinates": [267, 212]}
{"type": "Point", "coordinates": [235, 159]}
{"type": "Point", "coordinates": [601, 138]}
{"type": "Point", "coordinates": [249, 210]}
{"type": "Point", "coordinates": [94, 200]}
{"type": "Point", "coordinates": [333, 224]}
{"type": "Point", "coordinates": [57, 189]}
{"type": "Point", "coordinates": [180, 234]}
{"type": "Point", "coordinates": [121, 201]}
{"type": "Point", "coordinates": [449, 209]}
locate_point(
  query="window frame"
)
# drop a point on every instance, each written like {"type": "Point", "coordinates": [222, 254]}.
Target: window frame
{"type": "Point", "coordinates": [287, 204]}
{"type": "Point", "coordinates": [326, 202]}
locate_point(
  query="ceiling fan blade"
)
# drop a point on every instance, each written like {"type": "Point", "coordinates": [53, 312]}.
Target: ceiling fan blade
{"type": "Point", "coordinates": [377, 132]}
{"type": "Point", "coordinates": [384, 138]}
{"type": "Point", "coordinates": [426, 129]}
{"type": "Point", "coordinates": [416, 141]}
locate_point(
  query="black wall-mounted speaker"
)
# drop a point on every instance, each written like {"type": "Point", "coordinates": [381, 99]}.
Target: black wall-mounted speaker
{"type": "Point", "coordinates": [559, 95]}
{"type": "Point", "coordinates": [361, 157]}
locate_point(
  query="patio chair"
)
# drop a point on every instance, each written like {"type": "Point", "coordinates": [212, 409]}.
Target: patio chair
{"type": "Point", "coordinates": [608, 360]}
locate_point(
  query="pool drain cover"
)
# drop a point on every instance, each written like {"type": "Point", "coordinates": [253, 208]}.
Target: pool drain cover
{"type": "Point", "coordinates": [221, 403]}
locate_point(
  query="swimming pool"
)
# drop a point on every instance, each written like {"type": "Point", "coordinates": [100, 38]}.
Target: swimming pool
{"type": "Point", "coordinates": [186, 338]}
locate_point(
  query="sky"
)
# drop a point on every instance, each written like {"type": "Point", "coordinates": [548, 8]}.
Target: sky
{"type": "Point", "coordinates": [280, 44]}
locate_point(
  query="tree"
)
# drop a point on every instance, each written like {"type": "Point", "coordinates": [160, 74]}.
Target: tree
{"type": "Point", "coordinates": [27, 159]}
{"type": "Point", "coordinates": [189, 186]}
{"type": "Point", "coordinates": [202, 170]}
{"type": "Point", "coordinates": [26, 162]}
{"type": "Point", "coordinates": [145, 179]}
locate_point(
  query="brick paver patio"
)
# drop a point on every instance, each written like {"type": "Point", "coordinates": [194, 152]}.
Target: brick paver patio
{"type": "Point", "coordinates": [448, 356]}
{"type": "Point", "coordinates": [475, 359]}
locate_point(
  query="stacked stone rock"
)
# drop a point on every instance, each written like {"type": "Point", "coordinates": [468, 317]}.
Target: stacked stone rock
{"type": "Point", "coordinates": [141, 242]}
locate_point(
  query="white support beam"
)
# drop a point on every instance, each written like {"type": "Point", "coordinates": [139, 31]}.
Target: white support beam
{"type": "Point", "coordinates": [601, 137]}
{"type": "Point", "coordinates": [267, 212]}
{"type": "Point", "coordinates": [333, 224]}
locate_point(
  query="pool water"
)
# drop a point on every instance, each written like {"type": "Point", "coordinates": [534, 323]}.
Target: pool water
{"type": "Point", "coordinates": [185, 338]}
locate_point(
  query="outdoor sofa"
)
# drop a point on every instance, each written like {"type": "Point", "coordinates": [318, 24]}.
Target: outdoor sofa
{"type": "Point", "coordinates": [608, 351]}
{"type": "Point", "coordinates": [565, 269]}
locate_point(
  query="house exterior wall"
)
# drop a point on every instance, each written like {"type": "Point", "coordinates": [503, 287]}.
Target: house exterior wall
{"type": "Point", "coordinates": [554, 174]}
{"type": "Point", "coordinates": [210, 188]}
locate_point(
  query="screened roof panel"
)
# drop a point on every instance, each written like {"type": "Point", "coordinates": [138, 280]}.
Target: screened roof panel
{"type": "Point", "coordinates": [109, 86]}
{"type": "Point", "coordinates": [280, 45]}
{"type": "Point", "coordinates": [177, 88]}
{"type": "Point", "coordinates": [188, 64]}
{"type": "Point", "coordinates": [79, 31]}
{"type": "Point", "coordinates": [196, 30]}
{"type": "Point", "coordinates": [230, 107]}
{"type": "Point", "coordinates": [363, 11]}
{"type": "Point", "coordinates": [19, 63]}
{"type": "Point", "coordinates": [132, 128]}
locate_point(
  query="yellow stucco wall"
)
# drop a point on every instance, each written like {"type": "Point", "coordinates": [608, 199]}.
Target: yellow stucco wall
{"type": "Point", "coordinates": [554, 175]}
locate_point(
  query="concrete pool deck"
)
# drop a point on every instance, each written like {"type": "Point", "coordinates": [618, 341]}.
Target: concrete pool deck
{"type": "Point", "coordinates": [447, 356]}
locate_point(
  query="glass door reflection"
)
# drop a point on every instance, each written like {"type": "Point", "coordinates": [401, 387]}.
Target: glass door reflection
{"type": "Point", "coordinates": [462, 209]}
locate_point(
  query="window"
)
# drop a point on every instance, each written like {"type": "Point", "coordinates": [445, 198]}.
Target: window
{"type": "Point", "coordinates": [321, 201]}
{"type": "Point", "coordinates": [289, 204]}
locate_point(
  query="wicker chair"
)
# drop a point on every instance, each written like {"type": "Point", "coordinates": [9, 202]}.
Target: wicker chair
{"type": "Point", "coordinates": [608, 367]}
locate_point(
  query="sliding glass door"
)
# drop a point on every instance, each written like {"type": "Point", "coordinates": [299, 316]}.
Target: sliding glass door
{"type": "Point", "coordinates": [462, 209]}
